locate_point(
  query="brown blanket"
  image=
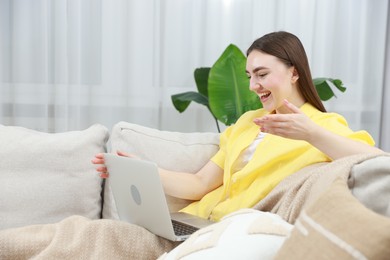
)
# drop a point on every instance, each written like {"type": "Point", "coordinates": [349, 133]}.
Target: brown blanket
{"type": "Point", "coordinates": [80, 238]}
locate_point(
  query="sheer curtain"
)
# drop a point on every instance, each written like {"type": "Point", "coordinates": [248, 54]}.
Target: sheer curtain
{"type": "Point", "coordinates": [385, 113]}
{"type": "Point", "coordinates": [66, 64]}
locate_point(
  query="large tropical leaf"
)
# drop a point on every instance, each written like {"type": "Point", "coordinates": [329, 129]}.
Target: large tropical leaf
{"type": "Point", "coordinates": [325, 90]}
{"type": "Point", "coordinates": [201, 76]}
{"type": "Point", "coordinates": [228, 87]}
{"type": "Point", "coordinates": [182, 101]}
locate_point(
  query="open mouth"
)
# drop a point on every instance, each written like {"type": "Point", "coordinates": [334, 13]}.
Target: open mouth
{"type": "Point", "coordinates": [264, 96]}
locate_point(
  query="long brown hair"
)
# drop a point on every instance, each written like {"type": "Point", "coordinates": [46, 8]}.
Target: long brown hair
{"type": "Point", "coordinates": [289, 50]}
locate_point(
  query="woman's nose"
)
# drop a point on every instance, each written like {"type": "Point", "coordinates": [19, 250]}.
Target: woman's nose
{"type": "Point", "coordinates": [253, 85]}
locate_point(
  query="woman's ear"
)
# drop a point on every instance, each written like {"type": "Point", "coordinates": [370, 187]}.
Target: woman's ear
{"type": "Point", "coordinates": [295, 75]}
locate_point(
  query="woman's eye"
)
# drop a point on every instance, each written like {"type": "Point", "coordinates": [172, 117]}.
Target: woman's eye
{"type": "Point", "coordinates": [249, 76]}
{"type": "Point", "coordinates": [262, 75]}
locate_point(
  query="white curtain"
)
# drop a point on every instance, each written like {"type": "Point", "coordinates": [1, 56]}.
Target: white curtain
{"type": "Point", "coordinates": [66, 64]}
{"type": "Point", "coordinates": [385, 113]}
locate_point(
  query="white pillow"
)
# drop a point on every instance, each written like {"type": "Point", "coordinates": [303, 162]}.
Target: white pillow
{"type": "Point", "coordinates": [176, 151]}
{"type": "Point", "coordinates": [47, 177]}
{"type": "Point", "coordinates": [245, 234]}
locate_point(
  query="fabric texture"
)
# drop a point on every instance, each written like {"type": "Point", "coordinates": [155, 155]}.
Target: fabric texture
{"type": "Point", "coordinates": [108, 239]}
{"type": "Point", "coordinates": [300, 189]}
{"type": "Point", "coordinates": [245, 234]}
{"type": "Point", "coordinates": [279, 156]}
{"type": "Point", "coordinates": [370, 184]}
{"type": "Point", "coordinates": [77, 237]}
{"type": "Point", "coordinates": [183, 152]}
{"type": "Point", "coordinates": [338, 226]}
{"type": "Point", "coordinates": [45, 177]}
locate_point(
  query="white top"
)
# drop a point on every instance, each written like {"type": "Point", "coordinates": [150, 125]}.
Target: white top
{"type": "Point", "coordinates": [247, 154]}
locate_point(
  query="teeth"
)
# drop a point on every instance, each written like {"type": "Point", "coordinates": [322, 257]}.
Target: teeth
{"type": "Point", "coordinates": [265, 94]}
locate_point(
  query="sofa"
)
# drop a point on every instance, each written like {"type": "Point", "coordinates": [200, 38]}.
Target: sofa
{"type": "Point", "coordinates": [336, 210]}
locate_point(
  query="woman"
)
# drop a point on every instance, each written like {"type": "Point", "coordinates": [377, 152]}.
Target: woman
{"type": "Point", "coordinates": [291, 131]}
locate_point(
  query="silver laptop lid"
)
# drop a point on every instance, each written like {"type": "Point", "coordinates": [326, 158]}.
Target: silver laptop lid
{"type": "Point", "coordinates": [138, 194]}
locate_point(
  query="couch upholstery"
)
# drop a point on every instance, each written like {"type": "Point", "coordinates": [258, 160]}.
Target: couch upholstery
{"type": "Point", "coordinates": [45, 178]}
{"type": "Point", "coordinates": [49, 176]}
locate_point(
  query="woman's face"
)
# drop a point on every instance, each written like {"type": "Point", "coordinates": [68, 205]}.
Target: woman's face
{"type": "Point", "coordinates": [272, 81]}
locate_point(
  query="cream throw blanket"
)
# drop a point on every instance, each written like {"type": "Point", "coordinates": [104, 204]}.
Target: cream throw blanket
{"type": "Point", "coordinates": [80, 238]}
{"type": "Point", "coordinates": [77, 237]}
{"type": "Point", "coordinates": [302, 188]}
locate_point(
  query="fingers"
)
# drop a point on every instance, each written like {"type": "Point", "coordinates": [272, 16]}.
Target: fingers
{"type": "Point", "coordinates": [291, 107]}
{"type": "Point", "coordinates": [99, 159]}
{"type": "Point", "coordinates": [279, 120]}
{"type": "Point", "coordinates": [102, 170]}
{"type": "Point", "coordinates": [100, 155]}
{"type": "Point", "coordinates": [274, 127]}
{"type": "Point", "coordinates": [104, 175]}
{"type": "Point", "coordinates": [278, 124]}
{"type": "Point", "coordinates": [272, 119]}
{"type": "Point", "coordinates": [120, 153]}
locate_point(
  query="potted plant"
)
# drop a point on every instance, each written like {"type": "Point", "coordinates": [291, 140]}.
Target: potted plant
{"type": "Point", "coordinates": [224, 90]}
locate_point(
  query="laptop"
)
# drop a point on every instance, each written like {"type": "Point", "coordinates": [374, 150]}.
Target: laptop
{"type": "Point", "coordinates": [140, 199]}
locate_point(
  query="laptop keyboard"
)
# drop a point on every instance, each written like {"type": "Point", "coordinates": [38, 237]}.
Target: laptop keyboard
{"type": "Point", "coordinates": [182, 229]}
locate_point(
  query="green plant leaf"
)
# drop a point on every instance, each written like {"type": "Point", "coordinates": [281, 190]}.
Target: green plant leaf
{"type": "Point", "coordinates": [182, 101]}
{"type": "Point", "coordinates": [338, 83]}
{"type": "Point", "coordinates": [228, 87]}
{"type": "Point", "coordinates": [325, 90]}
{"type": "Point", "coordinates": [201, 76]}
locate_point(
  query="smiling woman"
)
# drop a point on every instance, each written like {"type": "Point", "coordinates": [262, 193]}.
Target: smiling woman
{"type": "Point", "coordinates": [253, 157]}
{"type": "Point", "coordinates": [278, 69]}
{"type": "Point", "coordinates": [68, 64]}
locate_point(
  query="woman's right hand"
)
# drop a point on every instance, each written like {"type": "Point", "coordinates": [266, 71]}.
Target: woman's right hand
{"type": "Point", "coordinates": [99, 160]}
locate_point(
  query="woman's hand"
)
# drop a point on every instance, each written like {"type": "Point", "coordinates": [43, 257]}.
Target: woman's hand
{"type": "Point", "coordinates": [99, 160]}
{"type": "Point", "coordinates": [295, 125]}
{"type": "Point", "coordinates": [298, 126]}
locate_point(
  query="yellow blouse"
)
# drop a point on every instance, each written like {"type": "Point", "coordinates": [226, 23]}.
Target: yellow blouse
{"type": "Point", "coordinates": [274, 159]}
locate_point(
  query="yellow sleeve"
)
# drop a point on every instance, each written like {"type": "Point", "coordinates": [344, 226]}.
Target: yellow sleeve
{"type": "Point", "coordinates": [220, 156]}
{"type": "Point", "coordinates": [337, 123]}
{"type": "Point", "coordinates": [362, 136]}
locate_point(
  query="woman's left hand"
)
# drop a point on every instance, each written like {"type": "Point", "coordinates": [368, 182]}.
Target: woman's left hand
{"type": "Point", "coordinates": [102, 169]}
{"type": "Point", "coordinates": [295, 125]}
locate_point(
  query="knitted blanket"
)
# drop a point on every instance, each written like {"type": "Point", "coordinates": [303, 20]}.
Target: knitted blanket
{"type": "Point", "coordinates": [80, 238]}
{"type": "Point", "coordinates": [77, 237]}
{"type": "Point", "coordinates": [302, 188]}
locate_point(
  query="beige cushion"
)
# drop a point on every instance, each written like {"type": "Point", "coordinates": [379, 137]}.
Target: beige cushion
{"type": "Point", "coordinates": [370, 184]}
{"type": "Point", "coordinates": [338, 226]}
{"type": "Point", "coordinates": [45, 177]}
{"type": "Point", "coordinates": [186, 152]}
